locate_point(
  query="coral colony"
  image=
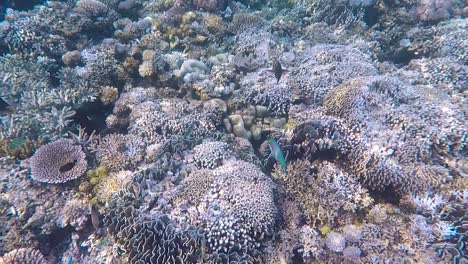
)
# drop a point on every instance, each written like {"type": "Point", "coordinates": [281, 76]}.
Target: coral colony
{"type": "Point", "coordinates": [233, 131]}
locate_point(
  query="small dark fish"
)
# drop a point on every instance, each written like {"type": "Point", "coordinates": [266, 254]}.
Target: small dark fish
{"type": "Point", "coordinates": [94, 217]}
{"type": "Point", "coordinates": [278, 70]}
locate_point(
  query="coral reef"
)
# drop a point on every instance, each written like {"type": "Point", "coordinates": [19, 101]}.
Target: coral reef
{"type": "Point", "coordinates": [170, 109]}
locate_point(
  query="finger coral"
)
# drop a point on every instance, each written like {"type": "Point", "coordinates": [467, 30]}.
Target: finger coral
{"type": "Point", "coordinates": [23, 255]}
{"type": "Point", "coordinates": [196, 185]}
{"type": "Point", "coordinates": [240, 209]}
{"type": "Point", "coordinates": [210, 155]}
{"type": "Point", "coordinates": [58, 162]}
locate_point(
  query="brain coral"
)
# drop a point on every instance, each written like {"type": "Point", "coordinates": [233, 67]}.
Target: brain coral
{"type": "Point", "coordinates": [58, 162]}
{"type": "Point", "coordinates": [23, 255]}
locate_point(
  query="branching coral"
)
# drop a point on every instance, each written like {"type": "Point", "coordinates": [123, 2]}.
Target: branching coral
{"type": "Point", "coordinates": [433, 10]}
{"type": "Point", "coordinates": [339, 13]}
{"type": "Point", "coordinates": [243, 22]}
{"type": "Point", "coordinates": [240, 210]}
{"type": "Point", "coordinates": [327, 66]}
{"type": "Point", "coordinates": [98, 15]}
{"type": "Point", "coordinates": [58, 162]}
{"type": "Point", "coordinates": [276, 99]}
{"type": "Point", "coordinates": [210, 155]}
{"type": "Point", "coordinates": [196, 185]}
{"type": "Point", "coordinates": [117, 151]}
{"type": "Point", "coordinates": [23, 255]}
{"type": "Point", "coordinates": [323, 192]}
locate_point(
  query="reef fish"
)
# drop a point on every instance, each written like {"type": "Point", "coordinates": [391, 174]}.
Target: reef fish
{"type": "Point", "coordinates": [94, 217]}
{"type": "Point", "coordinates": [277, 153]}
{"type": "Point", "coordinates": [277, 70]}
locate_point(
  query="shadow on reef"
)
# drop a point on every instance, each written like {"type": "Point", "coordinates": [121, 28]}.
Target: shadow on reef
{"type": "Point", "coordinates": [92, 115]}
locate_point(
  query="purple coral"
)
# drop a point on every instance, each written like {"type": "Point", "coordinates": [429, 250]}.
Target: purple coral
{"type": "Point", "coordinates": [58, 162]}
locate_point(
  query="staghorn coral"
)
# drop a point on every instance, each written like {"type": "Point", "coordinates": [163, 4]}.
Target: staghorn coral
{"type": "Point", "coordinates": [312, 243]}
{"type": "Point", "coordinates": [58, 162]}
{"type": "Point", "coordinates": [23, 255]}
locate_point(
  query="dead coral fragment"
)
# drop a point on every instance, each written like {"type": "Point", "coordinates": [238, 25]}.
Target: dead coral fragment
{"type": "Point", "coordinates": [23, 255]}
{"type": "Point", "coordinates": [58, 162]}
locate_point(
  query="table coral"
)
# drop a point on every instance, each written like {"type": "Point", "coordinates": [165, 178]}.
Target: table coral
{"type": "Point", "coordinates": [58, 162]}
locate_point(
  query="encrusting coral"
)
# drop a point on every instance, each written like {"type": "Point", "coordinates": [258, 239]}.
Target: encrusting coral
{"type": "Point", "coordinates": [58, 162]}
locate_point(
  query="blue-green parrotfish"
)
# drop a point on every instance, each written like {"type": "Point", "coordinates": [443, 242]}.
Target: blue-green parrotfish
{"type": "Point", "coordinates": [277, 153]}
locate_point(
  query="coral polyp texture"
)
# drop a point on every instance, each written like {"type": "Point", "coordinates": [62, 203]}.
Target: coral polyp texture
{"type": "Point", "coordinates": [233, 131]}
{"type": "Point", "coordinates": [58, 162]}
{"type": "Point", "coordinates": [23, 255]}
